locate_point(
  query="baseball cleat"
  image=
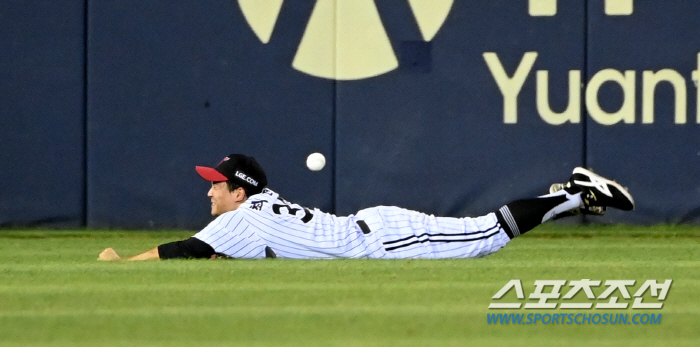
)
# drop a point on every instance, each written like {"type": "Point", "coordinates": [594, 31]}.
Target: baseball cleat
{"type": "Point", "coordinates": [587, 209]}
{"type": "Point", "coordinates": [600, 191]}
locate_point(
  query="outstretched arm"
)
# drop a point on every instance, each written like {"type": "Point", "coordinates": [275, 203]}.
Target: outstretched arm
{"type": "Point", "coordinates": [190, 248]}
{"type": "Point", "coordinates": [110, 254]}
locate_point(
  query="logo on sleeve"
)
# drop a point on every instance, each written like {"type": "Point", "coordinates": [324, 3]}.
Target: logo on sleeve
{"type": "Point", "coordinates": [257, 205]}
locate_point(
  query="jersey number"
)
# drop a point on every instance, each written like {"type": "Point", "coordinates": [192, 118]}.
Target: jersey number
{"type": "Point", "coordinates": [303, 213]}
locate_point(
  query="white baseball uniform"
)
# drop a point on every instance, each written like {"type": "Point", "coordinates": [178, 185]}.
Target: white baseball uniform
{"type": "Point", "coordinates": [293, 231]}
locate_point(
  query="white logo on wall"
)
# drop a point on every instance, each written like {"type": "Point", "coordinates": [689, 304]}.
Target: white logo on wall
{"type": "Point", "coordinates": [345, 39]}
{"type": "Point", "coordinates": [510, 84]}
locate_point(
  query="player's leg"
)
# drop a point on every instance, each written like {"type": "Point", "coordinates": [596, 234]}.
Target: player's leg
{"type": "Point", "coordinates": [403, 233]}
{"type": "Point", "coordinates": [521, 216]}
{"type": "Point", "coordinates": [585, 191]}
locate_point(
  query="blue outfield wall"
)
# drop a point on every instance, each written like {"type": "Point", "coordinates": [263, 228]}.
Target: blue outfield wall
{"type": "Point", "coordinates": [42, 175]}
{"type": "Point", "coordinates": [435, 139]}
{"type": "Point", "coordinates": [453, 107]}
{"type": "Point", "coordinates": [658, 151]}
{"type": "Point", "coordinates": [178, 84]}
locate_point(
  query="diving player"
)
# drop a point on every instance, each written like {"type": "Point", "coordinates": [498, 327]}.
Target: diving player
{"type": "Point", "coordinates": [255, 222]}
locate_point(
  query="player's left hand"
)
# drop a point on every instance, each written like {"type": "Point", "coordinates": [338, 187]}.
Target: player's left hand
{"type": "Point", "coordinates": [108, 254]}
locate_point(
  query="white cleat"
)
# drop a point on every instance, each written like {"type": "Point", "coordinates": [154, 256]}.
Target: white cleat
{"type": "Point", "coordinates": [599, 191]}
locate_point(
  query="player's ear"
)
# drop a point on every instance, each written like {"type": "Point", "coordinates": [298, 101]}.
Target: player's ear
{"type": "Point", "coordinates": [240, 195]}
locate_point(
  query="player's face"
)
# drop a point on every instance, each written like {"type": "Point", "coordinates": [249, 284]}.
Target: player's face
{"type": "Point", "coordinates": [222, 200]}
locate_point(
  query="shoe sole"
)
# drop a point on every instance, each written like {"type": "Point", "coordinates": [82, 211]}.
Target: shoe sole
{"type": "Point", "coordinates": [621, 189]}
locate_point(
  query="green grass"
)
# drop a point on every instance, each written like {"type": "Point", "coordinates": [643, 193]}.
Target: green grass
{"type": "Point", "coordinates": [53, 292]}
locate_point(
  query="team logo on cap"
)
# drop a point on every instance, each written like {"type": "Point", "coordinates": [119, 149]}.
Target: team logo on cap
{"type": "Point", "coordinates": [246, 178]}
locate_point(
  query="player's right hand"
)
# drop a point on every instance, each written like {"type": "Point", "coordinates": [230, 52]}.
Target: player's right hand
{"type": "Point", "coordinates": [108, 254]}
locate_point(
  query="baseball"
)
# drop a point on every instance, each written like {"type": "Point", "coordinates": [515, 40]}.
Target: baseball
{"type": "Point", "coordinates": [315, 161]}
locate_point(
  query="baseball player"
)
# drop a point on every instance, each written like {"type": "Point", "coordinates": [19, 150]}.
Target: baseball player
{"type": "Point", "coordinates": [255, 222]}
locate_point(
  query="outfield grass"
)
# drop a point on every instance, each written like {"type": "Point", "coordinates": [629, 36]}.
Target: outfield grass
{"type": "Point", "coordinates": [54, 292]}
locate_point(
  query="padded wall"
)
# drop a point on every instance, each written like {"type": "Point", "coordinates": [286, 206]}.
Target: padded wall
{"type": "Point", "coordinates": [178, 84]}
{"type": "Point", "coordinates": [42, 176]}
{"type": "Point", "coordinates": [449, 107]}
{"type": "Point", "coordinates": [658, 158]}
{"type": "Point", "coordinates": [432, 134]}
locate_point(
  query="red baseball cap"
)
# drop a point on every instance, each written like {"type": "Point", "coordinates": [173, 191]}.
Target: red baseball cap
{"type": "Point", "coordinates": [239, 169]}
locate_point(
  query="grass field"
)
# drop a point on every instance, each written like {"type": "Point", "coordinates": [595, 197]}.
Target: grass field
{"type": "Point", "coordinates": [54, 292]}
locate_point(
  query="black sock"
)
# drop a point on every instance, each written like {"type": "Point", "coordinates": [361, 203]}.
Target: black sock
{"type": "Point", "coordinates": [521, 216]}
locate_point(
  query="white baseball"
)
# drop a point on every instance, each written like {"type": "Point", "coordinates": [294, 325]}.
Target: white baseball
{"type": "Point", "coordinates": [315, 161]}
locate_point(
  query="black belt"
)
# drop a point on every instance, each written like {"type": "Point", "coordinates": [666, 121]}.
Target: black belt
{"type": "Point", "coordinates": [363, 226]}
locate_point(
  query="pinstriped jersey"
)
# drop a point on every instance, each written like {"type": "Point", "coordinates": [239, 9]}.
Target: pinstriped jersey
{"type": "Point", "coordinates": [291, 230]}
{"type": "Point", "coordinates": [231, 234]}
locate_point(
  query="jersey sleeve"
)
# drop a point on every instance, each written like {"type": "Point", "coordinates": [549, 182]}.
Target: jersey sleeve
{"type": "Point", "coordinates": [190, 248]}
{"type": "Point", "coordinates": [231, 234]}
